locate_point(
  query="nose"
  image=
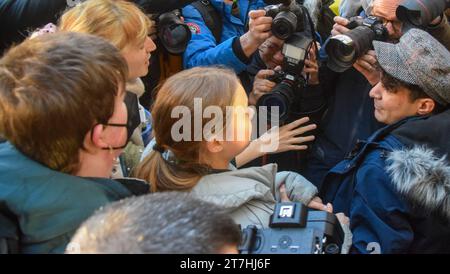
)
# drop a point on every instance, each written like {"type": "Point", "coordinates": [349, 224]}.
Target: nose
{"type": "Point", "coordinates": [150, 45]}
{"type": "Point", "coordinates": [375, 92]}
{"type": "Point", "coordinates": [278, 57]}
{"type": "Point", "coordinates": [252, 112]}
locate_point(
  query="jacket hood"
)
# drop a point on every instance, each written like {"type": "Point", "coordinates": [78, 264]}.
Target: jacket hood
{"type": "Point", "coordinates": [422, 177]}
{"type": "Point", "coordinates": [232, 189]}
{"type": "Point", "coordinates": [432, 131]}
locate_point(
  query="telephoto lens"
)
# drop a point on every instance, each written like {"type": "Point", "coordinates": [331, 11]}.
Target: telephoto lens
{"type": "Point", "coordinates": [420, 13]}
{"type": "Point", "coordinates": [344, 49]}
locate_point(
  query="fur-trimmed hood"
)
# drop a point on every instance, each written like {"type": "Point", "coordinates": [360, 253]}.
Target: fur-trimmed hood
{"type": "Point", "coordinates": [422, 178]}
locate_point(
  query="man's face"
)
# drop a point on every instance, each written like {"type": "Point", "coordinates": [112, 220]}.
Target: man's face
{"type": "Point", "coordinates": [270, 52]}
{"type": "Point", "coordinates": [392, 24]}
{"type": "Point", "coordinates": [391, 107]}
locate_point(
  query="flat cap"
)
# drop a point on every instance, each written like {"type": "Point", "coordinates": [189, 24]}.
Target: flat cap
{"type": "Point", "coordinates": [418, 59]}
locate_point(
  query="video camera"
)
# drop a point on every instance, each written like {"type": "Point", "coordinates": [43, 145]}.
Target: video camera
{"type": "Point", "coordinates": [292, 23]}
{"type": "Point", "coordinates": [420, 13]}
{"type": "Point", "coordinates": [295, 230]}
{"type": "Point", "coordinates": [343, 50]}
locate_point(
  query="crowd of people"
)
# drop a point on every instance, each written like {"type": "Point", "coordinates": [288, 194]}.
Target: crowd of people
{"type": "Point", "coordinates": [102, 151]}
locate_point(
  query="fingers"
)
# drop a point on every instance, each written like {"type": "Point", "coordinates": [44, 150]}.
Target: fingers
{"type": "Point", "coordinates": [259, 24]}
{"type": "Point", "coordinates": [369, 57]}
{"type": "Point", "coordinates": [342, 218]}
{"type": "Point", "coordinates": [264, 73]}
{"type": "Point", "coordinates": [256, 13]}
{"type": "Point", "coordinates": [341, 20]}
{"type": "Point", "coordinates": [283, 194]}
{"type": "Point", "coordinates": [319, 206]}
{"type": "Point", "coordinates": [339, 26]}
{"type": "Point", "coordinates": [311, 67]}
{"type": "Point", "coordinates": [302, 130]}
{"type": "Point", "coordinates": [296, 123]}
{"type": "Point", "coordinates": [296, 148]}
{"type": "Point", "coordinates": [301, 140]}
{"type": "Point", "coordinates": [263, 86]}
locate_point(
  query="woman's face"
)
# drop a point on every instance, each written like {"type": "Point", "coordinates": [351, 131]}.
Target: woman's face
{"type": "Point", "coordinates": [241, 124]}
{"type": "Point", "coordinates": [137, 57]}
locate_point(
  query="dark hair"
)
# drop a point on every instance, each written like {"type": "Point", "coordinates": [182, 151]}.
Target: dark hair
{"type": "Point", "coordinates": [53, 89]}
{"type": "Point", "coordinates": [166, 222]}
{"type": "Point", "coordinates": [393, 84]}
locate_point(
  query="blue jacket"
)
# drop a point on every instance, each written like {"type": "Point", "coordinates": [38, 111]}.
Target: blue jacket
{"type": "Point", "coordinates": [396, 193]}
{"type": "Point", "coordinates": [203, 50]}
{"type": "Point", "coordinates": [349, 118]}
{"type": "Point", "coordinates": [40, 209]}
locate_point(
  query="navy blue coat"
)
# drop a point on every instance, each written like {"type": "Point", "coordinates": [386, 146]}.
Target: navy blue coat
{"type": "Point", "coordinates": [396, 193]}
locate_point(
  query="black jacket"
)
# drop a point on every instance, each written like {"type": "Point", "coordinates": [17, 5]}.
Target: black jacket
{"type": "Point", "coordinates": [20, 17]}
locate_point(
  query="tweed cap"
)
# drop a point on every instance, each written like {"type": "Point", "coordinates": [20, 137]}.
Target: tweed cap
{"type": "Point", "coordinates": [418, 59]}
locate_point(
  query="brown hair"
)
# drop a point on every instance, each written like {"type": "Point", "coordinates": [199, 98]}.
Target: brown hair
{"type": "Point", "coordinates": [53, 89]}
{"type": "Point", "coordinates": [120, 22]}
{"type": "Point", "coordinates": [216, 87]}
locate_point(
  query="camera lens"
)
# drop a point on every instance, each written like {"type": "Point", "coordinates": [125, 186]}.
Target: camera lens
{"type": "Point", "coordinates": [284, 25]}
{"type": "Point", "coordinates": [173, 33]}
{"type": "Point", "coordinates": [282, 97]}
{"type": "Point", "coordinates": [344, 49]}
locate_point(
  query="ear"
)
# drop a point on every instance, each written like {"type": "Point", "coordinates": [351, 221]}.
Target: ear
{"type": "Point", "coordinates": [425, 106]}
{"type": "Point", "coordinates": [214, 146]}
{"type": "Point", "coordinates": [97, 137]}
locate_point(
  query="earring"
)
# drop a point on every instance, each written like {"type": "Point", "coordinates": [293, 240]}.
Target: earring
{"type": "Point", "coordinates": [111, 151]}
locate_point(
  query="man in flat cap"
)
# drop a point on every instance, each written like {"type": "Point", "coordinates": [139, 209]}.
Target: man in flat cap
{"type": "Point", "coordinates": [395, 187]}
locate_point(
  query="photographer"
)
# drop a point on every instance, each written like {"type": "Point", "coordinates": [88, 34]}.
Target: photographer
{"type": "Point", "coordinates": [350, 110]}
{"type": "Point", "coordinates": [310, 102]}
{"type": "Point", "coordinates": [161, 223]}
{"type": "Point", "coordinates": [394, 186]}
{"type": "Point", "coordinates": [235, 46]}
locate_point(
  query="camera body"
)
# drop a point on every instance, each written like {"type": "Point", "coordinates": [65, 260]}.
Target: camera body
{"type": "Point", "coordinates": [343, 50]}
{"type": "Point", "coordinates": [289, 80]}
{"type": "Point", "coordinates": [295, 230]}
{"type": "Point", "coordinates": [288, 18]}
{"type": "Point", "coordinates": [173, 33]}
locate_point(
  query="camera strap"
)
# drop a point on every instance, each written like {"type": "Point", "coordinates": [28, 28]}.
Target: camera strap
{"type": "Point", "coordinates": [212, 18]}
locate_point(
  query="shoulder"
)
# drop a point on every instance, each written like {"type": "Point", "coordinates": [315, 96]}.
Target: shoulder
{"type": "Point", "coordinates": [237, 187]}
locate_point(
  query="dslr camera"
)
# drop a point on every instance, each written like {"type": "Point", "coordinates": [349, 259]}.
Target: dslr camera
{"type": "Point", "coordinates": [173, 33]}
{"type": "Point", "coordinates": [294, 230]}
{"type": "Point", "coordinates": [288, 18]}
{"type": "Point", "coordinates": [344, 49]}
{"type": "Point", "coordinates": [291, 23]}
{"type": "Point", "coordinates": [290, 83]}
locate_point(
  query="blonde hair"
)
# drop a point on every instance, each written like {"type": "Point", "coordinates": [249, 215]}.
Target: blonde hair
{"type": "Point", "coordinates": [216, 87]}
{"type": "Point", "coordinates": [120, 22]}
